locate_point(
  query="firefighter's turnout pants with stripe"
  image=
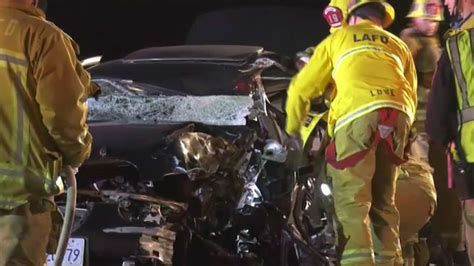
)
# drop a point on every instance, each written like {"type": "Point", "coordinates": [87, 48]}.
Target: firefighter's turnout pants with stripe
{"type": "Point", "coordinates": [363, 162]}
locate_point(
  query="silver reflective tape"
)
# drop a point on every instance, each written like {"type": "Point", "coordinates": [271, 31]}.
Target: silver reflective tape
{"type": "Point", "coordinates": [13, 60]}
{"type": "Point", "coordinates": [9, 204]}
{"type": "Point", "coordinates": [467, 115]}
{"type": "Point", "coordinates": [357, 257]}
{"type": "Point", "coordinates": [342, 122]}
{"type": "Point", "coordinates": [457, 68]}
{"type": "Point", "coordinates": [20, 142]}
{"type": "Point", "coordinates": [420, 115]}
{"type": "Point", "coordinates": [365, 49]}
{"type": "Point", "coordinates": [471, 33]}
{"type": "Point", "coordinates": [11, 173]}
{"type": "Point", "coordinates": [384, 259]}
{"type": "Point", "coordinates": [19, 149]}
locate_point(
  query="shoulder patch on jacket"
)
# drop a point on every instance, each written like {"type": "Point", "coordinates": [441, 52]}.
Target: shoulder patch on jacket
{"type": "Point", "coordinates": [333, 16]}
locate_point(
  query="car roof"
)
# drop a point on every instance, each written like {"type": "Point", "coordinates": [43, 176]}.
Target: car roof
{"type": "Point", "coordinates": [197, 52]}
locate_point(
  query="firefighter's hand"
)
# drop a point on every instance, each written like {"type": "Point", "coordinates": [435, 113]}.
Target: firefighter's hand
{"type": "Point", "coordinates": [94, 91]}
{"type": "Point", "coordinates": [294, 143]}
{"type": "Point", "coordinates": [318, 105]}
{"type": "Point", "coordinates": [294, 146]}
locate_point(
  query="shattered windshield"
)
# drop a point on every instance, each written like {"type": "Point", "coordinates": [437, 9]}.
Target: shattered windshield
{"type": "Point", "coordinates": [132, 102]}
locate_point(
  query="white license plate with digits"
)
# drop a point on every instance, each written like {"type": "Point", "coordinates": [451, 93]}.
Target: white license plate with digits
{"type": "Point", "coordinates": [74, 255]}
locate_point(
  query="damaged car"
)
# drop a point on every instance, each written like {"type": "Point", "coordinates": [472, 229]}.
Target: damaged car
{"type": "Point", "coordinates": [178, 176]}
{"type": "Point", "coordinates": [204, 69]}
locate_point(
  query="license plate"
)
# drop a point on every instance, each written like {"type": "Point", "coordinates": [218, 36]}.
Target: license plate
{"type": "Point", "coordinates": [74, 255]}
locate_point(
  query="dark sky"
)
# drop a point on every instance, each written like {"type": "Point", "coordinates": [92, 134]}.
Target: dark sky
{"type": "Point", "coordinates": [116, 27]}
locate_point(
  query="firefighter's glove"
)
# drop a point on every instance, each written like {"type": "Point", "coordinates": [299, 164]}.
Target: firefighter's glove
{"type": "Point", "coordinates": [294, 146]}
{"type": "Point", "coordinates": [94, 91]}
{"type": "Point", "coordinates": [318, 105]}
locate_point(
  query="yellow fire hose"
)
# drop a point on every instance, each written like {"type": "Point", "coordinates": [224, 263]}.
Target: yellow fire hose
{"type": "Point", "coordinates": [66, 229]}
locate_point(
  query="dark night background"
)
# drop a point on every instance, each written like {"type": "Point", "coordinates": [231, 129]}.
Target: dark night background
{"type": "Point", "coordinates": [114, 28]}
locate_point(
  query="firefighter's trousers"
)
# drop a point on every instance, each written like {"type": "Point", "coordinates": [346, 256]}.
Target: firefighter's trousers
{"type": "Point", "coordinates": [24, 235]}
{"type": "Point", "coordinates": [416, 208]}
{"type": "Point", "coordinates": [416, 201]}
{"type": "Point", "coordinates": [364, 194]}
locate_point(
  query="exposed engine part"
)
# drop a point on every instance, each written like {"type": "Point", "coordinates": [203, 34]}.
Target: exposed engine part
{"type": "Point", "coordinates": [274, 151]}
{"type": "Point", "coordinates": [80, 216]}
{"type": "Point", "coordinates": [175, 186]}
{"type": "Point", "coordinates": [155, 243]}
{"type": "Point", "coordinates": [204, 151]}
{"type": "Point", "coordinates": [246, 244]}
{"type": "Point", "coordinates": [252, 195]}
{"type": "Point", "coordinates": [138, 207]}
{"type": "Point", "coordinates": [132, 211]}
{"type": "Point", "coordinates": [128, 262]}
{"type": "Point", "coordinates": [157, 248]}
{"type": "Point", "coordinates": [119, 196]}
{"type": "Point", "coordinates": [209, 190]}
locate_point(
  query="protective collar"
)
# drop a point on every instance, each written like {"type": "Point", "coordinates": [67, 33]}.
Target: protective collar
{"type": "Point", "coordinates": [23, 7]}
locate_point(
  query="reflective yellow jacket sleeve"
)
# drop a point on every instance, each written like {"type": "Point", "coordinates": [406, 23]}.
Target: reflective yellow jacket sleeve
{"type": "Point", "coordinates": [310, 83]}
{"type": "Point", "coordinates": [61, 91]}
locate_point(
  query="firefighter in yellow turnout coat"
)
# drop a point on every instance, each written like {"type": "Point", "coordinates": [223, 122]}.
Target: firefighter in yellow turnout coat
{"type": "Point", "coordinates": [375, 104]}
{"type": "Point", "coordinates": [415, 195]}
{"type": "Point", "coordinates": [43, 126]}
